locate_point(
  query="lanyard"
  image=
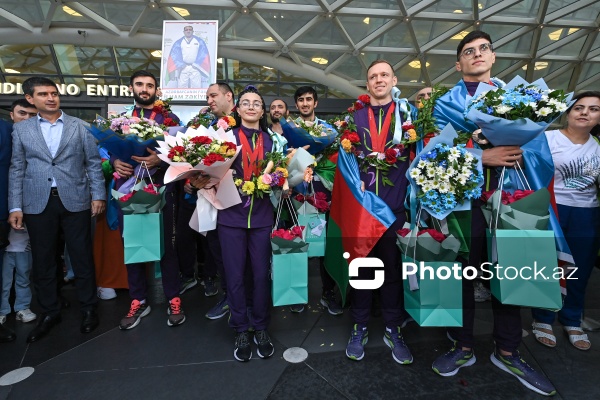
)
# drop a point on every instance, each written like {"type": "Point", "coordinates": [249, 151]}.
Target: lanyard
{"type": "Point", "coordinates": [250, 159]}
{"type": "Point", "coordinates": [379, 137]}
{"type": "Point", "coordinates": [135, 114]}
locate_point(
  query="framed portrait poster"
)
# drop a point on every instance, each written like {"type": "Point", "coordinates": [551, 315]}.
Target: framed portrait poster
{"type": "Point", "coordinates": [189, 59]}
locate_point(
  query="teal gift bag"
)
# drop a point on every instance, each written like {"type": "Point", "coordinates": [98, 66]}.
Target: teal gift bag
{"type": "Point", "coordinates": [143, 237]}
{"type": "Point", "coordinates": [290, 279]}
{"type": "Point", "coordinates": [515, 255]}
{"type": "Point", "coordinates": [315, 232]}
{"type": "Point", "coordinates": [433, 301]}
{"type": "Point", "coordinates": [289, 266]}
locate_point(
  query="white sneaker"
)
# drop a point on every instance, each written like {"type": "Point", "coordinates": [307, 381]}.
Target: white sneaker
{"type": "Point", "coordinates": [26, 315]}
{"type": "Point", "coordinates": [2, 319]}
{"type": "Point", "coordinates": [106, 293]}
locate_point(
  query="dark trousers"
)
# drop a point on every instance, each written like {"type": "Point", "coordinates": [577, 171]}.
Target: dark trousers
{"type": "Point", "coordinates": [43, 230]}
{"type": "Point", "coordinates": [241, 244]}
{"type": "Point", "coordinates": [185, 241]}
{"type": "Point", "coordinates": [507, 319]}
{"type": "Point", "coordinates": [392, 293]}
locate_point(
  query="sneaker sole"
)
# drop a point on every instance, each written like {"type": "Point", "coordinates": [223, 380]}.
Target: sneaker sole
{"type": "Point", "coordinates": [258, 351]}
{"type": "Point", "coordinates": [528, 385]}
{"type": "Point", "coordinates": [324, 304]}
{"type": "Point", "coordinates": [211, 294]}
{"type": "Point", "coordinates": [24, 320]}
{"type": "Point", "coordinates": [137, 321]}
{"type": "Point", "coordinates": [188, 287]}
{"type": "Point", "coordinates": [455, 371]}
{"type": "Point", "coordinates": [361, 356]}
{"type": "Point", "coordinates": [297, 311]}
{"type": "Point", "coordinates": [391, 346]}
{"type": "Point", "coordinates": [169, 323]}
{"type": "Point", "coordinates": [213, 317]}
{"type": "Point", "coordinates": [239, 359]}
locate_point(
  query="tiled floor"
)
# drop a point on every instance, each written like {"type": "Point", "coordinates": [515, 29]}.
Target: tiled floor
{"type": "Point", "coordinates": [195, 360]}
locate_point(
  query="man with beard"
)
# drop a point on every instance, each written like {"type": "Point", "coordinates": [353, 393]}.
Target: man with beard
{"type": "Point", "coordinates": [143, 86]}
{"type": "Point", "coordinates": [306, 100]}
{"type": "Point", "coordinates": [278, 109]}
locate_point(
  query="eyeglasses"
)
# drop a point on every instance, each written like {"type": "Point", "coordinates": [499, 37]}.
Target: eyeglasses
{"type": "Point", "coordinates": [247, 104]}
{"type": "Point", "coordinates": [483, 49]}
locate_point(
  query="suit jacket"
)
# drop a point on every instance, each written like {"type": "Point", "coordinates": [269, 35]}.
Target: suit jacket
{"type": "Point", "coordinates": [5, 150]}
{"type": "Point", "coordinates": [76, 167]}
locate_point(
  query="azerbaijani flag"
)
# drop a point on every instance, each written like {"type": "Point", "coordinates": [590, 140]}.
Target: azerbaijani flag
{"type": "Point", "coordinates": [357, 221]}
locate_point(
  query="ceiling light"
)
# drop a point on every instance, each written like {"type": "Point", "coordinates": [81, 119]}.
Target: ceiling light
{"type": "Point", "coordinates": [537, 66]}
{"type": "Point", "coordinates": [156, 53]}
{"type": "Point", "coordinates": [152, 4]}
{"type": "Point", "coordinates": [11, 71]}
{"type": "Point", "coordinates": [367, 20]}
{"type": "Point", "coordinates": [417, 64]}
{"type": "Point", "coordinates": [181, 11]}
{"type": "Point", "coordinates": [272, 1]}
{"type": "Point", "coordinates": [460, 36]}
{"type": "Point", "coordinates": [265, 67]}
{"type": "Point", "coordinates": [269, 39]}
{"type": "Point", "coordinates": [91, 77]}
{"type": "Point", "coordinates": [320, 60]}
{"type": "Point", "coordinates": [480, 6]}
{"type": "Point", "coordinates": [219, 60]}
{"type": "Point", "coordinates": [70, 11]}
{"type": "Point", "coordinates": [456, 12]}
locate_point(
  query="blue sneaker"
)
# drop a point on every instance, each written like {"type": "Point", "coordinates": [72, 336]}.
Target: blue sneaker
{"type": "Point", "coordinates": [358, 339]}
{"type": "Point", "coordinates": [219, 310]}
{"type": "Point", "coordinates": [529, 377]}
{"type": "Point", "coordinates": [400, 350]}
{"type": "Point", "coordinates": [448, 364]}
{"type": "Point", "coordinates": [210, 289]}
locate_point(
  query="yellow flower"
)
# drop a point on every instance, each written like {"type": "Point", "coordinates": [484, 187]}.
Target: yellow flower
{"type": "Point", "coordinates": [420, 104]}
{"type": "Point", "coordinates": [230, 152]}
{"type": "Point", "coordinates": [283, 171]}
{"type": "Point", "coordinates": [230, 120]}
{"type": "Point", "coordinates": [248, 187]}
{"type": "Point", "coordinates": [238, 182]}
{"type": "Point", "coordinates": [223, 150]}
{"type": "Point", "coordinates": [159, 103]}
{"type": "Point", "coordinates": [346, 145]}
{"type": "Point", "coordinates": [412, 134]}
{"type": "Point", "coordinates": [263, 186]}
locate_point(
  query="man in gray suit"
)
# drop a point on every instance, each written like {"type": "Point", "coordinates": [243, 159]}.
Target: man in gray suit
{"type": "Point", "coordinates": [55, 178]}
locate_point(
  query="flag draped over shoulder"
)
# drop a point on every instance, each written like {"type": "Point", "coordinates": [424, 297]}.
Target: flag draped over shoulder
{"type": "Point", "coordinates": [357, 221]}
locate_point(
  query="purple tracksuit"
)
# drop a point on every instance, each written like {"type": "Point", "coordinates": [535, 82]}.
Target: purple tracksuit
{"type": "Point", "coordinates": [244, 231]}
{"type": "Point", "coordinates": [392, 298]}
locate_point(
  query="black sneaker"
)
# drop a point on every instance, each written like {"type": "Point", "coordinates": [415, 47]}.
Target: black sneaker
{"type": "Point", "coordinates": [242, 351]}
{"type": "Point", "coordinates": [136, 312]}
{"type": "Point", "coordinates": [264, 345]}
{"type": "Point", "coordinates": [210, 289]}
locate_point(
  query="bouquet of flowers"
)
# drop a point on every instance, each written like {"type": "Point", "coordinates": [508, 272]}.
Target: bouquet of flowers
{"type": "Point", "coordinates": [446, 176]}
{"type": "Point", "coordinates": [203, 118]}
{"type": "Point", "coordinates": [127, 136]}
{"type": "Point", "coordinates": [516, 113]}
{"type": "Point", "coordinates": [163, 107]}
{"type": "Point", "coordinates": [318, 200]}
{"type": "Point", "coordinates": [274, 176]}
{"type": "Point", "coordinates": [300, 133]}
{"type": "Point", "coordinates": [522, 209]}
{"type": "Point", "coordinates": [204, 150]}
{"type": "Point", "coordinates": [144, 198]}
{"type": "Point", "coordinates": [428, 245]}
{"type": "Point", "coordinates": [284, 241]}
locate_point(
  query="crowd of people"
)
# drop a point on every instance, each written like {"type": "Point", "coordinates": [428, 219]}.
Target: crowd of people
{"type": "Point", "coordinates": [55, 183]}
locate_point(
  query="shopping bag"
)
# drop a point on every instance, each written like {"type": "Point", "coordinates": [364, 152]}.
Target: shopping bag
{"type": "Point", "coordinates": [436, 302]}
{"type": "Point", "coordinates": [515, 254]}
{"type": "Point", "coordinates": [290, 279]}
{"type": "Point", "coordinates": [289, 266]}
{"type": "Point", "coordinates": [143, 237]}
{"type": "Point", "coordinates": [315, 224]}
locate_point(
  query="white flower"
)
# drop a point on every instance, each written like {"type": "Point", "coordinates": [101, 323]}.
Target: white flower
{"type": "Point", "coordinates": [544, 111]}
{"type": "Point", "coordinates": [533, 105]}
{"type": "Point", "coordinates": [422, 164]}
{"type": "Point", "coordinates": [426, 187]}
{"type": "Point", "coordinates": [421, 180]}
{"type": "Point", "coordinates": [561, 107]}
{"type": "Point", "coordinates": [451, 171]}
{"type": "Point", "coordinates": [503, 109]}
{"type": "Point", "coordinates": [469, 157]}
{"type": "Point", "coordinates": [415, 173]}
{"type": "Point", "coordinates": [430, 172]}
{"type": "Point", "coordinates": [444, 187]}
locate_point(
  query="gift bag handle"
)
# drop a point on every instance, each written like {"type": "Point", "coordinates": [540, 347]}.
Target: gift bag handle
{"type": "Point", "coordinates": [140, 174]}
{"type": "Point", "coordinates": [293, 214]}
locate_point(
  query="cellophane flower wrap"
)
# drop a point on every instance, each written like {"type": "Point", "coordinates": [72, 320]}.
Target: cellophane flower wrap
{"type": "Point", "coordinates": [427, 245]}
{"type": "Point", "coordinates": [521, 209]}
{"type": "Point", "coordinates": [285, 241]}
{"type": "Point", "coordinates": [273, 177]}
{"type": "Point", "coordinates": [300, 133]}
{"type": "Point", "coordinates": [144, 198]}
{"type": "Point", "coordinates": [516, 113]}
{"type": "Point", "coordinates": [314, 203]}
{"type": "Point", "coordinates": [125, 137]}
{"type": "Point", "coordinates": [207, 150]}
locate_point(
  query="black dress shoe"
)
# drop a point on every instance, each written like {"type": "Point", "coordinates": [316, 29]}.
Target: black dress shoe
{"type": "Point", "coordinates": [90, 321]}
{"type": "Point", "coordinates": [43, 327]}
{"type": "Point", "coordinates": [6, 335]}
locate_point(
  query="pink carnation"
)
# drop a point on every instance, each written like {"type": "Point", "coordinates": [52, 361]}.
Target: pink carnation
{"type": "Point", "coordinates": [266, 179]}
{"type": "Point", "coordinates": [222, 124]}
